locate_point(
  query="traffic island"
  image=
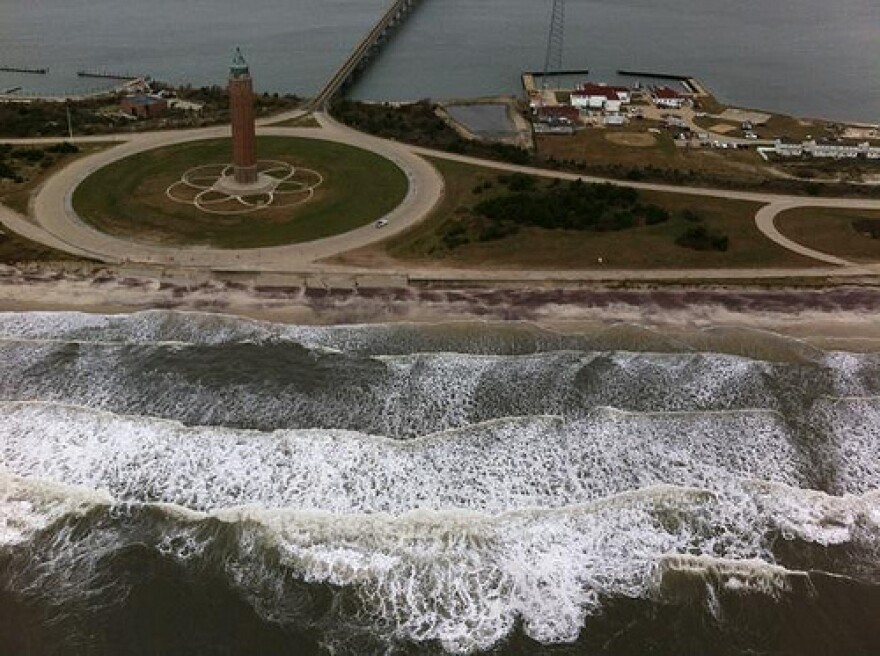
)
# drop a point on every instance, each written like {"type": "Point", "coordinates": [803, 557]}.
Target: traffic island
{"type": "Point", "coordinates": [176, 195]}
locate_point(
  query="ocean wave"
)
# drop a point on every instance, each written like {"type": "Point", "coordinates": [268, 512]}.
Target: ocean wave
{"type": "Point", "coordinates": [459, 578]}
{"type": "Point", "coordinates": [268, 385]}
{"type": "Point", "coordinates": [491, 467]}
{"type": "Point", "coordinates": [432, 488]}
{"type": "Point", "coordinates": [400, 338]}
{"type": "Point", "coordinates": [27, 507]}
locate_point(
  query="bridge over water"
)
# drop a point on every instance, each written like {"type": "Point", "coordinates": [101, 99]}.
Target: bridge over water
{"type": "Point", "coordinates": [366, 49]}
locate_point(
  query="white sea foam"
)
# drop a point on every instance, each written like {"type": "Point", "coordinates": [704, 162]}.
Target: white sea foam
{"type": "Point", "coordinates": [150, 327]}
{"type": "Point", "coordinates": [509, 337]}
{"type": "Point", "coordinates": [279, 385]}
{"type": "Point", "coordinates": [453, 536]}
{"type": "Point", "coordinates": [154, 363]}
{"type": "Point", "coordinates": [745, 575]}
{"type": "Point", "coordinates": [27, 506]}
{"type": "Point", "coordinates": [465, 578]}
{"type": "Point", "coordinates": [852, 427]}
{"type": "Point", "coordinates": [492, 467]}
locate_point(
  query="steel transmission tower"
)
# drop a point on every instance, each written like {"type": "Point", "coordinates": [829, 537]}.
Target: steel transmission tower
{"type": "Point", "coordinates": [555, 41]}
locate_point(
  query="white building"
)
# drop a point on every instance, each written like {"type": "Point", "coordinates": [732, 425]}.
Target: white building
{"type": "Point", "coordinates": [826, 150]}
{"type": "Point", "coordinates": [668, 98]}
{"type": "Point", "coordinates": [600, 97]}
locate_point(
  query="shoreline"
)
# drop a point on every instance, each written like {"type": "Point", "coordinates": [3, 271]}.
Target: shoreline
{"type": "Point", "coordinates": [837, 318]}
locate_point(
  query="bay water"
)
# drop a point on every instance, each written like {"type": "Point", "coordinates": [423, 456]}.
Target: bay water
{"type": "Point", "coordinates": [806, 57]}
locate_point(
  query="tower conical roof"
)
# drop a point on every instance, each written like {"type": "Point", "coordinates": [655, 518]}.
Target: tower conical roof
{"type": "Point", "coordinates": [239, 65]}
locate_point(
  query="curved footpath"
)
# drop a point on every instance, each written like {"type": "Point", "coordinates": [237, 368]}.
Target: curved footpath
{"type": "Point", "coordinates": [58, 226]}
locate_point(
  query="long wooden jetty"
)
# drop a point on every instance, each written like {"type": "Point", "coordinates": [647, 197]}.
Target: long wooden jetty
{"type": "Point", "coordinates": [656, 76]}
{"type": "Point", "coordinates": [365, 50]}
{"type": "Point", "coordinates": [566, 72]}
{"type": "Point", "coordinates": [109, 76]}
{"type": "Point", "coordinates": [19, 69]}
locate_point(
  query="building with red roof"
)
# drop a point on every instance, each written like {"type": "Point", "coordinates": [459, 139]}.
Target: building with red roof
{"type": "Point", "coordinates": [144, 106]}
{"type": "Point", "coordinates": [668, 98]}
{"type": "Point", "coordinates": [600, 96]}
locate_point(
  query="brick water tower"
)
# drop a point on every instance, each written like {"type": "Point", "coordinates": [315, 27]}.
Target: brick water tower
{"type": "Point", "coordinates": [241, 108]}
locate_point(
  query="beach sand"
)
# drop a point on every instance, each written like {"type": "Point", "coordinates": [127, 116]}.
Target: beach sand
{"type": "Point", "coordinates": [842, 317]}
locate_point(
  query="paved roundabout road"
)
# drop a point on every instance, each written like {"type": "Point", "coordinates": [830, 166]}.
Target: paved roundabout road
{"type": "Point", "coordinates": [57, 225]}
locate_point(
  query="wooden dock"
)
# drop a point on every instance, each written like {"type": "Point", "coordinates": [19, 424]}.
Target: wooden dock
{"type": "Point", "coordinates": [104, 75]}
{"type": "Point", "coordinates": [18, 69]}
{"type": "Point", "coordinates": [570, 71]}
{"type": "Point", "coordinates": [656, 76]}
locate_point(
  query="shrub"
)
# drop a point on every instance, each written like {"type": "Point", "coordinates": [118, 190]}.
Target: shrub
{"type": "Point", "coordinates": [619, 220]}
{"type": "Point", "coordinates": [519, 182]}
{"type": "Point", "coordinates": [655, 215]}
{"type": "Point", "coordinates": [455, 236]}
{"type": "Point", "coordinates": [419, 124]}
{"type": "Point", "coordinates": [7, 171]}
{"type": "Point", "coordinates": [572, 206]}
{"type": "Point", "coordinates": [63, 148]}
{"type": "Point", "coordinates": [28, 154]}
{"type": "Point", "coordinates": [691, 216]}
{"type": "Point", "coordinates": [701, 238]}
{"type": "Point", "coordinates": [867, 227]}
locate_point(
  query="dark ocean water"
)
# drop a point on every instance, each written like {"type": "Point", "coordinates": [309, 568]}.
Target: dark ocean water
{"type": "Point", "coordinates": [177, 483]}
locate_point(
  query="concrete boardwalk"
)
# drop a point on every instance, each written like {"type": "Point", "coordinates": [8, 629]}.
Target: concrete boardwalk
{"type": "Point", "coordinates": [57, 225]}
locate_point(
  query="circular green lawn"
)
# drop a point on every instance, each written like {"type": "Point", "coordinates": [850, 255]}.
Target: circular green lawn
{"type": "Point", "coordinates": [127, 198]}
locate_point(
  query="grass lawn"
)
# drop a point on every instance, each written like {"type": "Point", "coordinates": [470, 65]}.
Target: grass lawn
{"type": "Point", "coordinates": [618, 146]}
{"type": "Point", "coordinates": [643, 247]}
{"type": "Point", "coordinates": [779, 125]}
{"type": "Point", "coordinates": [307, 121]}
{"type": "Point", "coordinates": [127, 198]}
{"type": "Point", "coordinates": [828, 169]}
{"type": "Point", "coordinates": [845, 233]}
{"type": "Point", "coordinates": [710, 104]}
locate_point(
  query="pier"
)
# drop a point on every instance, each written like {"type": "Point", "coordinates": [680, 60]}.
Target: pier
{"type": "Point", "coordinates": [19, 69]}
{"type": "Point", "coordinates": [689, 82]}
{"type": "Point", "coordinates": [109, 76]}
{"type": "Point", "coordinates": [656, 76]}
{"type": "Point", "coordinates": [562, 73]}
{"type": "Point", "coordinates": [365, 50]}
